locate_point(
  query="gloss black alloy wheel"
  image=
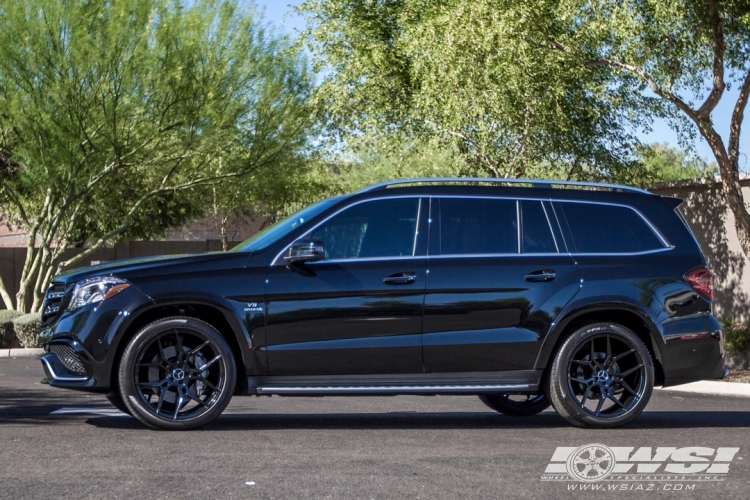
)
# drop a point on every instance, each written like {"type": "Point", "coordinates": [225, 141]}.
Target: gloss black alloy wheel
{"type": "Point", "coordinates": [177, 373]}
{"type": "Point", "coordinates": [516, 404]}
{"type": "Point", "coordinates": [602, 376]}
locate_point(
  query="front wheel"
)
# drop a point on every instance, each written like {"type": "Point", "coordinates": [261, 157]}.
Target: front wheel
{"type": "Point", "coordinates": [516, 405]}
{"type": "Point", "coordinates": [602, 376]}
{"type": "Point", "coordinates": [177, 373]}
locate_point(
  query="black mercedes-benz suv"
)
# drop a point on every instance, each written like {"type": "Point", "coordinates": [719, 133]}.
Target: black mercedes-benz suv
{"type": "Point", "coordinates": [525, 293]}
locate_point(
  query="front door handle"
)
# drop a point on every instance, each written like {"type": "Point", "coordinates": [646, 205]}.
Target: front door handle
{"type": "Point", "coordinates": [541, 275]}
{"type": "Point", "coordinates": [401, 278]}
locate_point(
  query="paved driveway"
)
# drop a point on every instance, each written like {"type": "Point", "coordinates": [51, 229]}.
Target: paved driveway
{"type": "Point", "coordinates": [337, 447]}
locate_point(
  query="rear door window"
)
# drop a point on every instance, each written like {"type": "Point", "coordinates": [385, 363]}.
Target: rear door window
{"type": "Point", "coordinates": [477, 226]}
{"type": "Point", "coordinates": [600, 228]}
{"type": "Point", "coordinates": [536, 232]}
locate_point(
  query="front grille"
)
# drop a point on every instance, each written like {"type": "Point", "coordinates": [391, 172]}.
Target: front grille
{"type": "Point", "coordinates": [69, 358]}
{"type": "Point", "coordinates": [52, 300]}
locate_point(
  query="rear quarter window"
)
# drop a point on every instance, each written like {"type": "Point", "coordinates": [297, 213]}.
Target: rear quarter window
{"type": "Point", "coordinates": [599, 228]}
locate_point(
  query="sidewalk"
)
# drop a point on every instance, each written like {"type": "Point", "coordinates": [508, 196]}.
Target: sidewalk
{"type": "Point", "coordinates": [713, 387]}
{"type": "Point", "coordinates": [20, 353]}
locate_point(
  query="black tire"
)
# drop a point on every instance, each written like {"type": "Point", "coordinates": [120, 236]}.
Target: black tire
{"type": "Point", "coordinates": [516, 405]}
{"type": "Point", "coordinates": [116, 400]}
{"type": "Point", "coordinates": [177, 374]}
{"type": "Point", "coordinates": [602, 376]}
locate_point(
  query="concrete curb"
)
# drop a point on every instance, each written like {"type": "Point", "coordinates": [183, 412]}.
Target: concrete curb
{"type": "Point", "coordinates": [712, 387]}
{"type": "Point", "coordinates": [20, 353]}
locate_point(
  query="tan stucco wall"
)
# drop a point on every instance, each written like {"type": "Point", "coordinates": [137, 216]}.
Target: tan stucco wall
{"type": "Point", "coordinates": [713, 224]}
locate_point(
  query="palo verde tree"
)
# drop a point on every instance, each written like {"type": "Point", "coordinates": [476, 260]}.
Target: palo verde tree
{"type": "Point", "coordinates": [114, 116]}
{"type": "Point", "coordinates": [682, 55]}
{"type": "Point", "coordinates": [460, 71]}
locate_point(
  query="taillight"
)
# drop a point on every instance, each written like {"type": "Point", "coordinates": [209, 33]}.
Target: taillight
{"type": "Point", "coordinates": [702, 282]}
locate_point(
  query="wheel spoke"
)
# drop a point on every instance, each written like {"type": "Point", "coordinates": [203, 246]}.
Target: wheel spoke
{"type": "Point", "coordinates": [198, 400]}
{"type": "Point", "coordinates": [162, 354]}
{"type": "Point", "coordinates": [622, 355]}
{"type": "Point", "coordinates": [609, 350]}
{"type": "Point", "coordinates": [151, 365]}
{"type": "Point", "coordinates": [617, 401]}
{"type": "Point", "coordinates": [161, 400]}
{"type": "Point", "coordinates": [180, 349]}
{"type": "Point", "coordinates": [628, 372]}
{"type": "Point", "coordinates": [627, 387]}
{"type": "Point", "coordinates": [580, 362]}
{"type": "Point", "coordinates": [193, 352]}
{"type": "Point", "coordinates": [157, 384]}
{"type": "Point", "coordinates": [180, 402]}
{"type": "Point", "coordinates": [601, 403]}
{"type": "Point", "coordinates": [592, 356]}
{"type": "Point", "coordinates": [206, 365]}
{"type": "Point", "coordinates": [208, 384]}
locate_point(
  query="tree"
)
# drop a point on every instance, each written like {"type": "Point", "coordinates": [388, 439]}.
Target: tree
{"type": "Point", "coordinates": [667, 163]}
{"type": "Point", "coordinates": [680, 55]}
{"type": "Point", "coordinates": [460, 71]}
{"type": "Point", "coordinates": [114, 115]}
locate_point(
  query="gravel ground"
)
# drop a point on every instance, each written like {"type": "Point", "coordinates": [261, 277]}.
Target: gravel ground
{"type": "Point", "coordinates": [738, 376]}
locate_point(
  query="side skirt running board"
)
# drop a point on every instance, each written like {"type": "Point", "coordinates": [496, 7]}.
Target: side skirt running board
{"type": "Point", "coordinates": [517, 381]}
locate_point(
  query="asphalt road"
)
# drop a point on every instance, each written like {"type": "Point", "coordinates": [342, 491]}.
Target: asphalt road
{"type": "Point", "coordinates": [336, 447]}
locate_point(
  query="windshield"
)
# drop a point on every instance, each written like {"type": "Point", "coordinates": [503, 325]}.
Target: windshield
{"type": "Point", "coordinates": [277, 231]}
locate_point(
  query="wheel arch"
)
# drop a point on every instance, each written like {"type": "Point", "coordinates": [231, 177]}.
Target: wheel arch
{"type": "Point", "coordinates": [631, 317]}
{"type": "Point", "coordinates": [206, 312]}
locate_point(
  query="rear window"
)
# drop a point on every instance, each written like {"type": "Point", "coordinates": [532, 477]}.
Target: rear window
{"type": "Point", "coordinates": [598, 228]}
{"type": "Point", "coordinates": [478, 226]}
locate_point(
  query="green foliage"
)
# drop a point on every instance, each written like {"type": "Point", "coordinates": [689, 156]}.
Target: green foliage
{"type": "Point", "coordinates": [27, 328]}
{"type": "Point", "coordinates": [737, 336]}
{"type": "Point", "coordinates": [372, 159]}
{"type": "Point", "coordinates": [467, 74]}
{"type": "Point", "coordinates": [6, 327]}
{"type": "Point", "coordinates": [666, 163]}
{"type": "Point", "coordinates": [118, 118]}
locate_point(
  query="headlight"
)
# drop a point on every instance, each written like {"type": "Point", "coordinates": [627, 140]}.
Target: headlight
{"type": "Point", "coordinates": [93, 290]}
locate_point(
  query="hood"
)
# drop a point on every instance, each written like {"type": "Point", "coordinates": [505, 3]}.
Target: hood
{"type": "Point", "coordinates": [157, 265]}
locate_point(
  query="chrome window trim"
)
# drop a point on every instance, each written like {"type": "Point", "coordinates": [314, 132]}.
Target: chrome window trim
{"type": "Point", "coordinates": [316, 226]}
{"type": "Point", "coordinates": [518, 224]}
{"type": "Point", "coordinates": [369, 259]}
{"type": "Point", "coordinates": [549, 226]}
{"type": "Point", "coordinates": [653, 228]}
{"type": "Point", "coordinates": [560, 254]}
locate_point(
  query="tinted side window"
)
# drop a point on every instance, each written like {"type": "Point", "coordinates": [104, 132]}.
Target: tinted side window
{"type": "Point", "coordinates": [608, 229]}
{"type": "Point", "coordinates": [536, 235]}
{"type": "Point", "coordinates": [380, 228]}
{"type": "Point", "coordinates": [477, 225]}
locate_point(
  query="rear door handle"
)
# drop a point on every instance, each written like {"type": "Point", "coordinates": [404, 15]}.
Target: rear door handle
{"type": "Point", "coordinates": [401, 278]}
{"type": "Point", "coordinates": [541, 275]}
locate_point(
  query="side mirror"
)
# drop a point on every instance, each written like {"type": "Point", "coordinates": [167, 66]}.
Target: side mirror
{"type": "Point", "coordinates": [305, 250]}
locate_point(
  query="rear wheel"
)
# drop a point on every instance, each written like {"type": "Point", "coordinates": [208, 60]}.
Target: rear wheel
{"type": "Point", "coordinates": [602, 376]}
{"type": "Point", "coordinates": [516, 404]}
{"type": "Point", "coordinates": [177, 373]}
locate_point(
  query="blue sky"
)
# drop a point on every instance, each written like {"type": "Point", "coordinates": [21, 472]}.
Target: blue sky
{"type": "Point", "coordinates": [281, 14]}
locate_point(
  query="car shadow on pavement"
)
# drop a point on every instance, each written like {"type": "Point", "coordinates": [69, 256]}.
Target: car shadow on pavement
{"type": "Point", "coordinates": [453, 420]}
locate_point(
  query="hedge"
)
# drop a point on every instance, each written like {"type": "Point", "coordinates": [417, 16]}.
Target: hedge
{"type": "Point", "coordinates": [28, 327]}
{"type": "Point", "coordinates": [6, 327]}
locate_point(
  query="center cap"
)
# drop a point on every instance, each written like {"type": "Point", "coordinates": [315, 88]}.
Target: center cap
{"type": "Point", "coordinates": [602, 375]}
{"type": "Point", "coordinates": [178, 374]}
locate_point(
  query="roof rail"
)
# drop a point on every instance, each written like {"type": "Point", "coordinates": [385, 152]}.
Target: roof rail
{"type": "Point", "coordinates": [533, 182]}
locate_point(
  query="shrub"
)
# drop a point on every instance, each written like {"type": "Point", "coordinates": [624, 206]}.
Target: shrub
{"type": "Point", "coordinates": [6, 327]}
{"type": "Point", "coordinates": [737, 336]}
{"type": "Point", "coordinates": [28, 327]}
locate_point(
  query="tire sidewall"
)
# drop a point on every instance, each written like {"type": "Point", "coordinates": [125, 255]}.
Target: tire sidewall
{"type": "Point", "coordinates": [564, 402]}
{"type": "Point", "coordinates": [129, 358]}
